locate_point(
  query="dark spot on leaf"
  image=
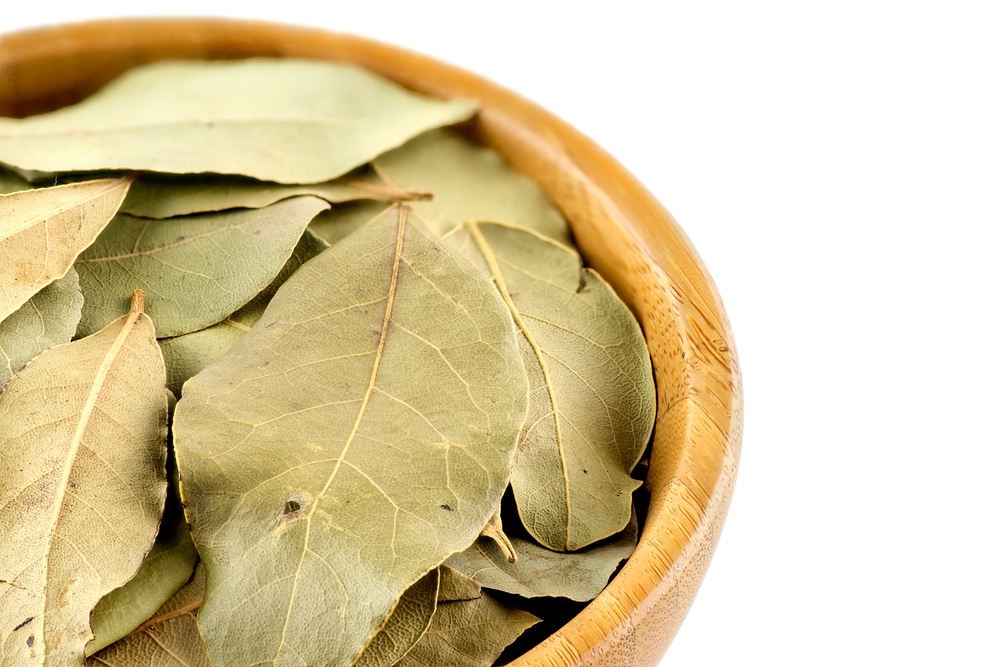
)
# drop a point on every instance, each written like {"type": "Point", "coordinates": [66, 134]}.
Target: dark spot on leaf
{"type": "Point", "coordinates": [447, 507]}
{"type": "Point", "coordinates": [291, 506]}
{"type": "Point", "coordinates": [31, 641]}
{"type": "Point", "coordinates": [585, 472]}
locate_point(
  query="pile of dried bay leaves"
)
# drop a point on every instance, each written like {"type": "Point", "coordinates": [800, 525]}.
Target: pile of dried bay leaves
{"type": "Point", "coordinates": [372, 327]}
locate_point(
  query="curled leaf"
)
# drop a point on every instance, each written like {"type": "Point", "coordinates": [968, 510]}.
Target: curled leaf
{"type": "Point", "coordinates": [169, 639]}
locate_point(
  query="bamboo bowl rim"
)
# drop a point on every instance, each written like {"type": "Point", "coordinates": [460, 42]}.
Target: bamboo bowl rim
{"type": "Point", "coordinates": [622, 231]}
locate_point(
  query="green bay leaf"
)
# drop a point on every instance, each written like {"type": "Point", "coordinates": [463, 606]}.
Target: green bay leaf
{"type": "Point", "coordinates": [343, 220]}
{"type": "Point", "coordinates": [11, 182]}
{"type": "Point", "coordinates": [169, 639]}
{"type": "Point", "coordinates": [357, 436]}
{"type": "Point", "coordinates": [579, 575]}
{"type": "Point", "coordinates": [592, 401]}
{"type": "Point", "coordinates": [196, 270]}
{"type": "Point", "coordinates": [83, 429]}
{"type": "Point", "coordinates": [469, 182]}
{"type": "Point", "coordinates": [409, 620]}
{"type": "Point", "coordinates": [186, 355]}
{"type": "Point", "coordinates": [283, 120]}
{"type": "Point", "coordinates": [470, 633]}
{"type": "Point", "coordinates": [167, 567]}
{"type": "Point", "coordinates": [48, 318]}
{"type": "Point", "coordinates": [43, 231]}
{"type": "Point", "coordinates": [162, 196]}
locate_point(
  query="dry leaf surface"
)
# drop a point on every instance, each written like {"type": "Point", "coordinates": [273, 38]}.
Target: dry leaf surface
{"type": "Point", "coordinates": [83, 429]}
{"type": "Point", "coordinates": [356, 437]}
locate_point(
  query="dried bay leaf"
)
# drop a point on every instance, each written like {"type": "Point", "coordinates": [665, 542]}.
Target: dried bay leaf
{"type": "Point", "coordinates": [405, 626]}
{"type": "Point", "coordinates": [82, 429]}
{"type": "Point", "coordinates": [592, 399]}
{"type": "Point", "coordinates": [188, 354]}
{"type": "Point", "coordinates": [469, 633]}
{"type": "Point", "coordinates": [469, 182]}
{"type": "Point", "coordinates": [11, 182]}
{"type": "Point", "coordinates": [43, 231]}
{"type": "Point", "coordinates": [343, 220]}
{"type": "Point", "coordinates": [357, 436]}
{"type": "Point", "coordinates": [195, 270]}
{"type": "Point", "coordinates": [169, 639]}
{"type": "Point", "coordinates": [579, 575]}
{"type": "Point", "coordinates": [48, 318]}
{"type": "Point", "coordinates": [161, 196]}
{"type": "Point", "coordinates": [455, 586]}
{"type": "Point", "coordinates": [310, 121]}
{"type": "Point", "coordinates": [167, 567]}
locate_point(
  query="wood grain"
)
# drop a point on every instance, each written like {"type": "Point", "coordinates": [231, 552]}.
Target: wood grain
{"type": "Point", "coordinates": [622, 231]}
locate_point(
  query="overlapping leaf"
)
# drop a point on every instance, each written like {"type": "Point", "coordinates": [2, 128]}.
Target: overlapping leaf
{"type": "Point", "coordinates": [160, 196]}
{"type": "Point", "coordinates": [592, 397]}
{"type": "Point", "coordinates": [283, 120]}
{"type": "Point", "coordinates": [470, 633]}
{"type": "Point", "coordinates": [188, 354]}
{"type": "Point", "coordinates": [195, 270]}
{"type": "Point", "coordinates": [343, 220]}
{"type": "Point", "coordinates": [469, 182]}
{"type": "Point", "coordinates": [579, 575]}
{"type": "Point", "coordinates": [82, 429]}
{"type": "Point", "coordinates": [48, 318]}
{"type": "Point", "coordinates": [43, 231]}
{"type": "Point", "coordinates": [169, 639]}
{"type": "Point", "coordinates": [357, 436]}
{"type": "Point", "coordinates": [407, 624]}
{"type": "Point", "coordinates": [11, 182]}
{"type": "Point", "coordinates": [166, 568]}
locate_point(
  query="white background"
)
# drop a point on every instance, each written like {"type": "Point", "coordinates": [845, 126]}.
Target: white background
{"type": "Point", "coordinates": [836, 164]}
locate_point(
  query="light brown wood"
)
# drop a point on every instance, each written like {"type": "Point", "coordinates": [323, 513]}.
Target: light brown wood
{"type": "Point", "coordinates": [622, 231]}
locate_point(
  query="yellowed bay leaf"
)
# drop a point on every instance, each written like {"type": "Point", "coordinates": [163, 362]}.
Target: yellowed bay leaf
{"type": "Point", "coordinates": [169, 639]}
{"type": "Point", "coordinates": [359, 434]}
{"type": "Point", "coordinates": [42, 231]}
{"type": "Point", "coordinates": [283, 119]}
{"type": "Point", "coordinates": [592, 401]}
{"type": "Point", "coordinates": [82, 461]}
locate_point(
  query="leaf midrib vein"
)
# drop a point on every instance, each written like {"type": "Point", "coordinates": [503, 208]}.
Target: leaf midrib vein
{"type": "Point", "coordinates": [84, 421]}
{"type": "Point", "coordinates": [386, 319]}
{"type": "Point", "coordinates": [491, 261]}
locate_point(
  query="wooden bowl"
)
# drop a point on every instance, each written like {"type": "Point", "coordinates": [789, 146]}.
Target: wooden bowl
{"type": "Point", "coordinates": [620, 228]}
